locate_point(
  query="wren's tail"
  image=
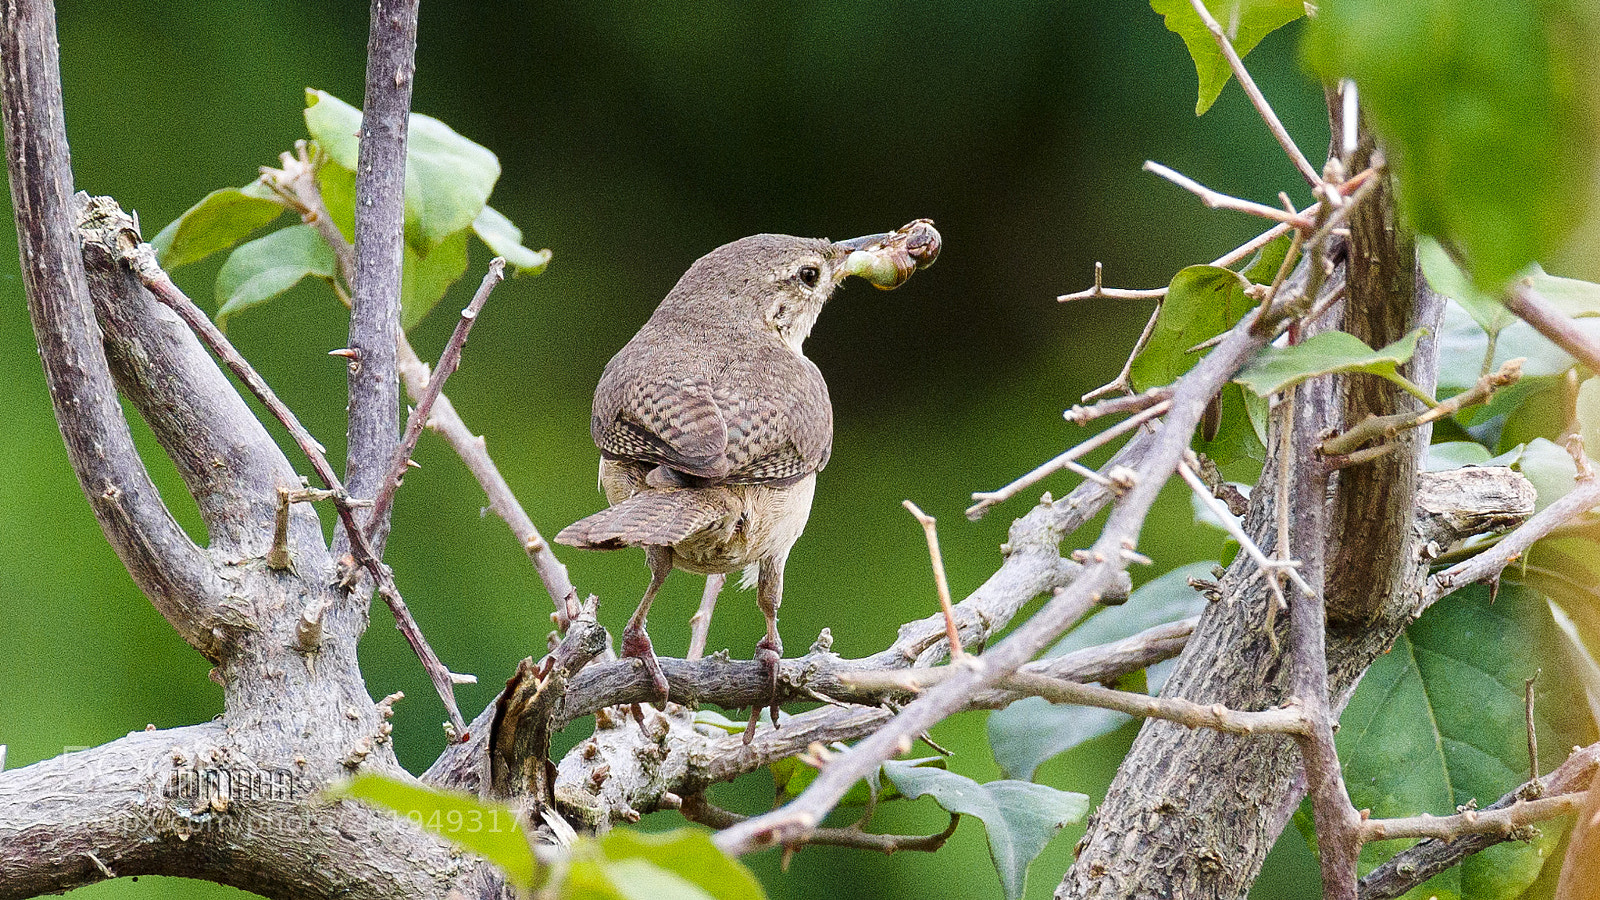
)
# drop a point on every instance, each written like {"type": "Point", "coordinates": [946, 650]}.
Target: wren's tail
{"type": "Point", "coordinates": [655, 518]}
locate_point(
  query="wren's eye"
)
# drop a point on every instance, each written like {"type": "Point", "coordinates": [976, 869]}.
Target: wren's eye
{"type": "Point", "coordinates": [809, 275]}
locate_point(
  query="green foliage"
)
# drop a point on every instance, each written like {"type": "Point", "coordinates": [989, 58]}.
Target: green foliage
{"type": "Point", "coordinates": [448, 178]}
{"type": "Point", "coordinates": [489, 830]}
{"type": "Point", "coordinates": [623, 865]}
{"type": "Point", "coordinates": [1019, 816]}
{"type": "Point", "coordinates": [270, 265]}
{"type": "Point", "coordinates": [1327, 353]}
{"type": "Point", "coordinates": [1245, 22]}
{"type": "Point", "coordinates": [1027, 733]}
{"type": "Point", "coordinates": [1438, 722]}
{"type": "Point", "coordinates": [220, 220]}
{"type": "Point", "coordinates": [447, 185]}
{"type": "Point", "coordinates": [679, 865]}
{"type": "Point", "coordinates": [1201, 303]}
{"type": "Point", "coordinates": [1496, 158]}
{"type": "Point", "coordinates": [1447, 278]}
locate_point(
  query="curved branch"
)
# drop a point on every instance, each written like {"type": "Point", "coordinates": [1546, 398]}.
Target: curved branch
{"type": "Point", "coordinates": [176, 575]}
{"type": "Point", "coordinates": [178, 802]}
{"type": "Point", "coordinates": [230, 463]}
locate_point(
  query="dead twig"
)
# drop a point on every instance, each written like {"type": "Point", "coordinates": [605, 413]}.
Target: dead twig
{"type": "Point", "coordinates": [940, 582]}
{"type": "Point", "coordinates": [449, 361]}
{"type": "Point", "coordinates": [987, 499]}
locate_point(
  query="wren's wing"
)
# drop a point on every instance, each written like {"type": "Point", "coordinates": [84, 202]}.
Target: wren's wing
{"type": "Point", "coordinates": [785, 432]}
{"type": "Point", "coordinates": [668, 419]}
{"type": "Point", "coordinates": [763, 417]}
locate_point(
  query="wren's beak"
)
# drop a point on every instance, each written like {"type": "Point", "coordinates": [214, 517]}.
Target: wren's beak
{"type": "Point", "coordinates": [888, 260]}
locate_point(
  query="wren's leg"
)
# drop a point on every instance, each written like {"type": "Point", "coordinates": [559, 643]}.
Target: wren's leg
{"type": "Point", "coordinates": [635, 642]}
{"type": "Point", "coordinates": [769, 650]}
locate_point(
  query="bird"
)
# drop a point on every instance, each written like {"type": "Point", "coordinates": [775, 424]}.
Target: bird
{"type": "Point", "coordinates": [712, 424]}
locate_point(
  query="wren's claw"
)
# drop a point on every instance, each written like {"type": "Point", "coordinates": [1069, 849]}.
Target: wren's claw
{"type": "Point", "coordinates": [636, 644]}
{"type": "Point", "coordinates": [768, 655]}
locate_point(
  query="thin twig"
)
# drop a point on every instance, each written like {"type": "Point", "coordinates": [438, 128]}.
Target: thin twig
{"type": "Point", "coordinates": [1227, 259]}
{"type": "Point", "coordinates": [1421, 862]}
{"type": "Point", "coordinates": [697, 809]}
{"type": "Point", "coordinates": [1284, 720]}
{"type": "Point", "coordinates": [1335, 818]}
{"type": "Point", "coordinates": [1186, 470]}
{"type": "Point", "coordinates": [1533, 734]}
{"type": "Point", "coordinates": [374, 383]}
{"type": "Point", "coordinates": [1218, 200]}
{"type": "Point", "coordinates": [940, 582]}
{"type": "Point", "coordinates": [142, 260]}
{"type": "Point", "coordinates": [449, 360]}
{"type": "Point", "coordinates": [1256, 98]}
{"type": "Point", "coordinates": [1083, 415]}
{"type": "Point", "coordinates": [1525, 301]}
{"type": "Point", "coordinates": [987, 499]}
{"type": "Point", "coordinates": [1123, 383]}
{"type": "Point", "coordinates": [1387, 427]}
{"type": "Point", "coordinates": [1503, 823]}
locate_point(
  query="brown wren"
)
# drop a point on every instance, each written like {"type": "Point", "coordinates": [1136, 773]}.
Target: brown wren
{"type": "Point", "coordinates": [712, 424]}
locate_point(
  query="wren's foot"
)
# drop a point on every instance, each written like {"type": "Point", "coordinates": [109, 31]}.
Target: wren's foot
{"type": "Point", "coordinates": [636, 643]}
{"type": "Point", "coordinates": [768, 655]}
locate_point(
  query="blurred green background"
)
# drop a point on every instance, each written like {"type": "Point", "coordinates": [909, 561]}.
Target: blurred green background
{"type": "Point", "coordinates": [636, 136]}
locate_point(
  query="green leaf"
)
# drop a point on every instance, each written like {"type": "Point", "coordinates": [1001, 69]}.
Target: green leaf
{"type": "Point", "coordinates": [220, 220]}
{"type": "Point", "coordinates": [1497, 160]}
{"type": "Point", "coordinates": [270, 265]}
{"type": "Point", "coordinates": [338, 186]}
{"type": "Point", "coordinates": [1245, 22]}
{"type": "Point", "coordinates": [448, 178]}
{"type": "Point", "coordinates": [1456, 455]}
{"type": "Point", "coordinates": [1325, 354]}
{"type": "Point", "coordinates": [1438, 722]}
{"type": "Point", "coordinates": [505, 239]}
{"type": "Point", "coordinates": [1578, 299]}
{"type": "Point", "coordinates": [1445, 277]}
{"type": "Point", "coordinates": [1263, 266]}
{"type": "Point", "coordinates": [489, 830]}
{"type": "Point", "coordinates": [1020, 816]}
{"type": "Point", "coordinates": [1201, 303]}
{"type": "Point", "coordinates": [1551, 470]}
{"type": "Point", "coordinates": [1588, 415]}
{"type": "Point", "coordinates": [678, 865]}
{"type": "Point", "coordinates": [425, 277]}
{"type": "Point", "coordinates": [1026, 733]}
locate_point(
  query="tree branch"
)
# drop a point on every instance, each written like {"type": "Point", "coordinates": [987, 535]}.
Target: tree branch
{"type": "Point", "coordinates": [230, 463]}
{"type": "Point", "coordinates": [1417, 864]}
{"type": "Point", "coordinates": [380, 241]}
{"type": "Point", "coordinates": [1108, 560]}
{"type": "Point", "coordinates": [175, 574]}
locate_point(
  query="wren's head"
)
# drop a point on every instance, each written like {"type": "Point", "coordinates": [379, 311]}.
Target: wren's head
{"type": "Point", "coordinates": [778, 283]}
{"type": "Point", "coordinates": [766, 282]}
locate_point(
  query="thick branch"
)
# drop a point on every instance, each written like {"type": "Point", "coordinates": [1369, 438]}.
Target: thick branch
{"type": "Point", "coordinates": [177, 802]}
{"type": "Point", "coordinates": [380, 240]}
{"type": "Point", "coordinates": [230, 463]}
{"type": "Point", "coordinates": [175, 574]}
